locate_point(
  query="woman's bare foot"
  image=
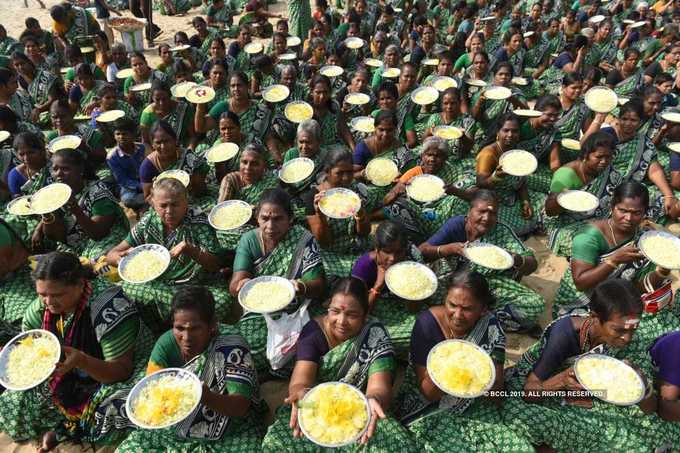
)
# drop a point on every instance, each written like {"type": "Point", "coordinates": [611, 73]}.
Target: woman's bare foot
{"type": "Point", "coordinates": [49, 441]}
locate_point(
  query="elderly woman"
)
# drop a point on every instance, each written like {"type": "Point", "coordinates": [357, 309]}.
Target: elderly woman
{"type": "Point", "coordinates": [606, 249]}
{"type": "Point", "coordinates": [142, 73]}
{"type": "Point", "coordinates": [382, 143]}
{"type": "Point", "coordinates": [255, 118]}
{"type": "Point", "coordinates": [391, 59]}
{"type": "Point", "coordinates": [105, 346]}
{"type": "Point", "coordinates": [179, 115]}
{"type": "Point", "coordinates": [341, 240]}
{"type": "Point", "coordinates": [10, 95]}
{"type": "Point", "coordinates": [229, 415]}
{"type": "Point", "coordinates": [282, 128]}
{"type": "Point", "coordinates": [398, 315]}
{"type": "Point", "coordinates": [588, 173]}
{"type": "Point", "coordinates": [308, 144]}
{"type": "Point", "coordinates": [330, 346]}
{"type": "Point", "coordinates": [276, 247]}
{"type": "Point", "coordinates": [185, 232]}
{"type": "Point", "coordinates": [437, 420]}
{"type": "Point", "coordinates": [422, 220]}
{"type": "Point", "coordinates": [168, 155]}
{"type": "Point", "coordinates": [518, 206]}
{"type": "Point", "coordinates": [451, 115]}
{"type": "Point", "coordinates": [42, 86]}
{"type": "Point", "coordinates": [248, 184]}
{"type": "Point", "coordinates": [91, 222]}
{"type": "Point", "coordinates": [517, 306]}
{"type": "Point", "coordinates": [581, 424]}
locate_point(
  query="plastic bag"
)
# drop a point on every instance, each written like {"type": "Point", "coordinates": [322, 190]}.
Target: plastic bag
{"type": "Point", "coordinates": [283, 334]}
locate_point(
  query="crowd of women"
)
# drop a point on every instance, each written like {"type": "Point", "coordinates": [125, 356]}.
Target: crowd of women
{"type": "Point", "coordinates": [59, 270]}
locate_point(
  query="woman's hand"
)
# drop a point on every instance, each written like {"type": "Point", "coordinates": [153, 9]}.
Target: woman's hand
{"type": "Point", "coordinates": [37, 239]}
{"type": "Point", "coordinates": [293, 400]}
{"type": "Point", "coordinates": [300, 287]}
{"type": "Point", "coordinates": [241, 283]}
{"type": "Point", "coordinates": [627, 254]}
{"type": "Point", "coordinates": [527, 211]}
{"type": "Point", "coordinates": [35, 115]}
{"type": "Point", "coordinates": [669, 202]}
{"type": "Point", "coordinates": [183, 248]}
{"type": "Point", "coordinates": [376, 413]}
{"type": "Point", "coordinates": [317, 198]}
{"type": "Point", "coordinates": [73, 358]}
{"type": "Point", "coordinates": [569, 381]}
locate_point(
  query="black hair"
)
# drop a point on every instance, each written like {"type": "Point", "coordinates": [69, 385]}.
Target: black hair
{"type": "Point", "coordinates": [162, 46]}
{"type": "Point", "coordinates": [240, 75]}
{"type": "Point", "coordinates": [197, 20]}
{"type": "Point", "coordinates": [390, 87]}
{"type": "Point", "coordinates": [630, 51]}
{"type": "Point", "coordinates": [107, 88]}
{"type": "Point", "coordinates": [571, 78]}
{"type": "Point", "coordinates": [599, 139]}
{"type": "Point", "coordinates": [262, 61]}
{"type": "Point", "coordinates": [162, 125]}
{"type": "Point", "coordinates": [181, 66]}
{"type": "Point", "coordinates": [482, 53]}
{"type": "Point", "coordinates": [451, 90]}
{"type": "Point", "coordinates": [31, 22]}
{"type": "Point", "coordinates": [63, 267]}
{"type": "Point", "coordinates": [78, 159]}
{"type": "Point", "coordinates": [579, 42]}
{"type": "Point", "coordinates": [7, 115]}
{"type": "Point", "coordinates": [195, 298]}
{"type": "Point", "coordinates": [630, 189]}
{"type": "Point", "coordinates": [137, 54]}
{"type": "Point", "coordinates": [504, 64]}
{"type": "Point", "coordinates": [73, 52]}
{"type": "Point", "coordinates": [591, 73]}
{"type": "Point", "coordinates": [335, 157]}
{"type": "Point", "coordinates": [218, 40]}
{"type": "Point", "coordinates": [635, 106]}
{"type": "Point", "coordinates": [354, 287]}
{"type": "Point", "coordinates": [58, 12]}
{"type": "Point", "coordinates": [229, 115]}
{"type": "Point", "coordinates": [615, 296]}
{"type": "Point", "coordinates": [384, 115]}
{"type": "Point", "coordinates": [476, 283]}
{"type": "Point", "coordinates": [125, 124]}
{"type": "Point", "coordinates": [278, 197]}
{"type": "Point", "coordinates": [650, 91]}
{"type": "Point", "coordinates": [30, 139]}
{"type": "Point", "coordinates": [504, 118]}
{"type": "Point", "coordinates": [6, 75]}
{"type": "Point", "coordinates": [160, 85]}
{"type": "Point", "coordinates": [389, 232]}
{"type": "Point", "coordinates": [660, 78]}
{"type": "Point", "coordinates": [549, 100]}
{"type": "Point", "coordinates": [84, 69]}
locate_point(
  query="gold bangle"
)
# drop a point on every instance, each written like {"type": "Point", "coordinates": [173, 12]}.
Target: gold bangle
{"type": "Point", "coordinates": [439, 255]}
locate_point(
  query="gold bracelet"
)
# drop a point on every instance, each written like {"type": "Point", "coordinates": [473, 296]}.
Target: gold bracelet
{"type": "Point", "coordinates": [439, 255]}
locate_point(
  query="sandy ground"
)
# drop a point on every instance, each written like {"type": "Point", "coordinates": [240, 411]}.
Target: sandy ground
{"type": "Point", "coordinates": [545, 280]}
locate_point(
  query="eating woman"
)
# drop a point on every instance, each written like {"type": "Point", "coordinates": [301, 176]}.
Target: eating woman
{"type": "Point", "coordinates": [105, 347]}
{"type": "Point", "coordinates": [586, 423]}
{"type": "Point", "coordinates": [228, 417]}
{"type": "Point", "coordinates": [439, 421]}
{"type": "Point", "coordinates": [195, 253]}
{"type": "Point", "coordinates": [343, 344]}
{"type": "Point", "coordinates": [276, 247]}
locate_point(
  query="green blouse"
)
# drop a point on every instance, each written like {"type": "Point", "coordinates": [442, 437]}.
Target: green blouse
{"type": "Point", "coordinates": [589, 244]}
{"type": "Point", "coordinates": [565, 178]}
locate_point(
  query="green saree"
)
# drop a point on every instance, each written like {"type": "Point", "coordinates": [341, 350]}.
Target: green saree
{"type": "Point", "coordinates": [539, 143]}
{"type": "Point", "coordinates": [225, 367]}
{"type": "Point", "coordinates": [22, 105]}
{"type": "Point", "coordinates": [108, 317]}
{"type": "Point", "coordinates": [351, 362]}
{"type": "Point", "coordinates": [404, 158]}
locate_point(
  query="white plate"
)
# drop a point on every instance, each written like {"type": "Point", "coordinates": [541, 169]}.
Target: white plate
{"type": "Point", "coordinates": [293, 41]}
{"type": "Point", "coordinates": [381, 171]}
{"type": "Point", "coordinates": [288, 56]}
{"type": "Point", "coordinates": [64, 142]}
{"type": "Point", "coordinates": [304, 168]}
{"type": "Point", "coordinates": [671, 117]}
{"type": "Point", "coordinates": [350, 203]}
{"type": "Point", "coordinates": [519, 81]}
{"type": "Point", "coordinates": [477, 251]}
{"type": "Point", "coordinates": [221, 152]}
{"type": "Point", "coordinates": [365, 124]}
{"type": "Point", "coordinates": [487, 18]}
{"type": "Point", "coordinates": [331, 71]}
{"type": "Point", "coordinates": [497, 93]}
{"type": "Point", "coordinates": [200, 94]}
{"type": "Point", "coordinates": [597, 19]}
{"type": "Point", "coordinates": [354, 43]}
{"type": "Point", "coordinates": [231, 208]}
{"type": "Point", "coordinates": [110, 116]}
{"type": "Point", "coordinates": [302, 414]}
{"type": "Point", "coordinates": [601, 99]}
{"type": "Point", "coordinates": [425, 188]}
{"type": "Point", "coordinates": [667, 251]}
{"type": "Point", "coordinates": [424, 95]}
{"type": "Point", "coordinates": [577, 201]}
{"type": "Point", "coordinates": [180, 90]}
{"type": "Point", "coordinates": [430, 61]}
{"type": "Point", "coordinates": [20, 206]}
{"type": "Point", "coordinates": [275, 93]}
{"type": "Point", "coordinates": [282, 288]}
{"type": "Point", "coordinates": [614, 380]}
{"type": "Point", "coordinates": [527, 113]}
{"type": "Point", "coordinates": [13, 343]}
{"type": "Point", "coordinates": [675, 147]}
{"type": "Point", "coordinates": [443, 83]}
{"type": "Point", "coordinates": [623, 100]}
{"type": "Point", "coordinates": [373, 62]}
{"type": "Point", "coordinates": [141, 87]}
{"type": "Point", "coordinates": [406, 273]}
{"type": "Point", "coordinates": [181, 375]}
{"type": "Point", "coordinates": [87, 49]}
{"type": "Point", "coordinates": [571, 144]}
{"type": "Point", "coordinates": [253, 48]}
{"type": "Point", "coordinates": [357, 99]}
{"type": "Point", "coordinates": [448, 132]}
{"type": "Point", "coordinates": [434, 362]}
{"type": "Point", "coordinates": [81, 117]}
{"type": "Point", "coordinates": [509, 160]}
{"type": "Point", "coordinates": [50, 198]}
{"type": "Point", "coordinates": [4, 135]}
{"type": "Point", "coordinates": [298, 111]}
{"type": "Point", "coordinates": [638, 24]}
{"type": "Point", "coordinates": [180, 48]}
{"type": "Point", "coordinates": [161, 254]}
{"type": "Point", "coordinates": [180, 175]}
{"type": "Point", "coordinates": [391, 73]}
{"type": "Point", "coordinates": [124, 73]}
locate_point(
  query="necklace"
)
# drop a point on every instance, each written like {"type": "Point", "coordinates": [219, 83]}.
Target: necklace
{"type": "Point", "coordinates": [611, 230]}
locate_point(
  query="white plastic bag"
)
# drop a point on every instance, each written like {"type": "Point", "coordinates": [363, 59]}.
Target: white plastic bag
{"type": "Point", "coordinates": [283, 334]}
